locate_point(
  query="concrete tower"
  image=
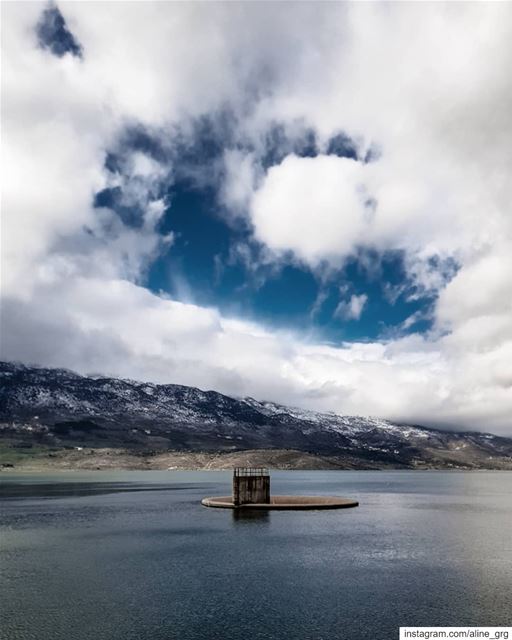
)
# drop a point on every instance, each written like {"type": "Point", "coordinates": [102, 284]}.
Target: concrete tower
{"type": "Point", "coordinates": [251, 486]}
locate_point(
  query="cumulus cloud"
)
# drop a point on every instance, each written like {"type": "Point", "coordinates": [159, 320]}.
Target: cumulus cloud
{"type": "Point", "coordinates": [315, 207]}
{"type": "Point", "coordinates": [428, 84]}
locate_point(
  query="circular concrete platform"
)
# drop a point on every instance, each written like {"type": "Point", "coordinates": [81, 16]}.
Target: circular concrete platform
{"type": "Point", "coordinates": [284, 503]}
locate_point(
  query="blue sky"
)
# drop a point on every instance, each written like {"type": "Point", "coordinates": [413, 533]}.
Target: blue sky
{"type": "Point", "coordinates": [217, 195]}
{"type": "Point", "coordinates": [215, 261]}
{"type": "Point", "coordinates": [200, 267]}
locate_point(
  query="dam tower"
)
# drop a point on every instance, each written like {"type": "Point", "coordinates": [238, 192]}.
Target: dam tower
{"type": "Point", "coordinates": [251, 485]}
{"type": "Point", "coordinates": [251, 490]}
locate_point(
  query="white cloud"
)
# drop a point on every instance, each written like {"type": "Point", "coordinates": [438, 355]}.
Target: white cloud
{"type": "Point", "coordinates": [351, 309]}
{"type": "Point", "coordinates": [241, 174]}
{"type": "Point", "coordinates": [428, 83]}
{"type": "Point", "coordinates": [314, 207]}
{"type": "Point", "coordinates": [435, 99]}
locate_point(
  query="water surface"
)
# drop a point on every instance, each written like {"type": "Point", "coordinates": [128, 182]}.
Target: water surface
{"type": "Point", "coordinates": [134, 556]}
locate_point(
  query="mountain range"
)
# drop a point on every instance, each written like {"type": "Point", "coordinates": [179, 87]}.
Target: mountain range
{"type": "Point", "coordinates": [54, 411]}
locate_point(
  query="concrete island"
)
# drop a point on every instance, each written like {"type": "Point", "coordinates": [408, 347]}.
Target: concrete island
{"type": "Point", "coordinates": [251, 490]}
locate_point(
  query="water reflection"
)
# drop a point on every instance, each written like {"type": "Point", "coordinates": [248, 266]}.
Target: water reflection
{"type": "Point", "coordinates": [250, 515]}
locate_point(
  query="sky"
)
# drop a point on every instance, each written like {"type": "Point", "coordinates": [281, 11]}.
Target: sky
{"type": "Point", "coordinates": [308, 203]}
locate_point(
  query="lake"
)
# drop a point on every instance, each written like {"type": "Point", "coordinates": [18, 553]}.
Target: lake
{"type": "Point", "coordinates": [134, 555]}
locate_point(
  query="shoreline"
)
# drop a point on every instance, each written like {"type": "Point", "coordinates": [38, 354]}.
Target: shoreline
{"type": "Point", "coordinates": [111, 459]}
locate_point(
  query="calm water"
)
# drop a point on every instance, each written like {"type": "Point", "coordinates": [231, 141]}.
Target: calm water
{"type": "Point", "coordinates": [133, 555]}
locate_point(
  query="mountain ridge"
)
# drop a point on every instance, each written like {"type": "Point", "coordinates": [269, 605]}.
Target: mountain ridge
{"type": "Point", "coordinates": [60, 409]}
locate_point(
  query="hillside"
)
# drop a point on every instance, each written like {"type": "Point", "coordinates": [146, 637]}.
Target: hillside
{"type": "Point", "coordinates": [49, 412]}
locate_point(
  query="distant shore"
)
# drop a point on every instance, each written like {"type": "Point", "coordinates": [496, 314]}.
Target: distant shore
{"type": "Point", "coordinates": [104, 459]}
{"type": "Point", "coordinates": [113, 458]}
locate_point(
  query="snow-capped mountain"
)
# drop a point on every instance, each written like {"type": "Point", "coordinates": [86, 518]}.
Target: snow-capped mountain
{"type": "Point", "coordinates": [59, 408]}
